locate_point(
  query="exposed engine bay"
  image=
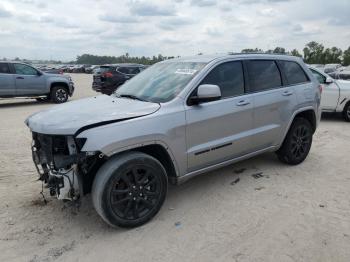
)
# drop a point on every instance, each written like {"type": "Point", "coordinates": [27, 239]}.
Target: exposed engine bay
{"type": "Point", "coordinates": [61, 165]}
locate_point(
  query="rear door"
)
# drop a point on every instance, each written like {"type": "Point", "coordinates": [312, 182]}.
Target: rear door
{"type": "Point", "coordinates": [28, 80]}
{"type": "Point", "coordinates": [7, 81]}
{"type": "Point", "coordinates": [220, 130]}
{"type": "Point", "coordinates": [274, 103]}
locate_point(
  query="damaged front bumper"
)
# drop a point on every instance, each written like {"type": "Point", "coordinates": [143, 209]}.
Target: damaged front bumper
{"type": "Point", "coordinates": [56, 159]}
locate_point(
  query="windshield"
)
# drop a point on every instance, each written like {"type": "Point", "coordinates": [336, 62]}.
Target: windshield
{"type": "Point", "coordinates": [161, 82]}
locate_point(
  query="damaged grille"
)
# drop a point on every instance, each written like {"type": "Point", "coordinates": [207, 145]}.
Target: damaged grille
{"type": "Point", "coordinates": [46, 149]}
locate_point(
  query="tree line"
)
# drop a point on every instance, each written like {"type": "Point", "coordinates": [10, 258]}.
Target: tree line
{"type": "Point", "coordinates": [99, 60]}
{"type": "Point", "coordinates": [313, 53]}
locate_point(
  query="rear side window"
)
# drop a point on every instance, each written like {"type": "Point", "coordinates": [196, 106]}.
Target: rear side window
{"type": "Point", "coordinates": [229, 77]}
{"type": "Point", "coordinates": [4, 68]}
{"type": "Point", "coordinates": [25, 70]}
{"type": "Point", "coordinates": [293, 72]}
{"type": "Point", "coordinates": [263, 75]}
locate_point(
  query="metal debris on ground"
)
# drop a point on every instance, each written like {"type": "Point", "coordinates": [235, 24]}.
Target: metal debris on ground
{"type": "Point", "coordinates": [235, 181]}
{"type": "Point", "coordinates": [259, 188]}
{"type": "Point", "coordinates": [178, 224]}
{"type": "Point", "coordinates": [258, 175]}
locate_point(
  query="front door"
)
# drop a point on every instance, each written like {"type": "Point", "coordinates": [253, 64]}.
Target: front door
{"type": "Point", "coordinates": [28, 80]}
{"type": "Point", "coordinates": [330, 93]}
{"type": "Point", "coordinates": [220, 130]}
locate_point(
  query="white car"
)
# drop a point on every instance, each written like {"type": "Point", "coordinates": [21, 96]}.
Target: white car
{"type": "Point", "coordinates": [335, 95]}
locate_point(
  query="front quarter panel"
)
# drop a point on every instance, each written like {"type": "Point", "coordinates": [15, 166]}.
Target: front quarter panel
{"type": "Point", "coordinates": [55, 79]}
{"type": "Point", "coordinates": [165, 127]}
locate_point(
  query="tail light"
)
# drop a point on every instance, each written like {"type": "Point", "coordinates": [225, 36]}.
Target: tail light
{"type": "Point", "coordinates": [61, 72]}
{"type": "Point", "coordinates": [107, 75]}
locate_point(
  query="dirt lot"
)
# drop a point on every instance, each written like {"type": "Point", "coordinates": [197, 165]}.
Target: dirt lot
{"type": "Point", "coordinates": [257, 210]}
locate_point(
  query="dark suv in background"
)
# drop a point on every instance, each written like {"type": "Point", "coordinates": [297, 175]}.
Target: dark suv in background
{"type": "Point", "coordinates": [108, 78]}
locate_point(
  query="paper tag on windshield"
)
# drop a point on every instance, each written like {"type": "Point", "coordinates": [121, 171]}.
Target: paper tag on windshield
{"type": "Point", "coordinates": [185, 71]}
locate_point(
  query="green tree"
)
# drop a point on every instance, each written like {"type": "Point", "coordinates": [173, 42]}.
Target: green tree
{"type": "Point", "coordinates": [346, 57]}
{"type": "Point", "coordinates": [332, 55]}
{"type": "Point", "coordinates": [313, 53]}
{"type": "Point", "coordinates": [279, 50]}
{"type": "Point", "coordinates": [251, 50]}
{"type": "Point", "coordinates": [295, 52]}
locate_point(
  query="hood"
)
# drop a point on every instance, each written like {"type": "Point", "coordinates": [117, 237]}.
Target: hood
{"type": "Point", "coordinates": [68, 118]}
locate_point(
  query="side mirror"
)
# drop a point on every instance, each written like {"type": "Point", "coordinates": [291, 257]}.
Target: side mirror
{"type": "Point", "coordinates": [39, 73]}
{"type": "Point", "coordinates": [206, 93]}
{"type": "Point", "coordinates": [329, 80]}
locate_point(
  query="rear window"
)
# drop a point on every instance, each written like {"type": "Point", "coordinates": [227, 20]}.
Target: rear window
{"type": "Point", "coordinates": [4, 68]}
{"type": "Point", "coordinates": [263, 75]}
{"type": "Point", "coordinates": [104, 69]}
{"type": "Point", "coordinates": [129, 70]}
{"type": "Point", "coordinates": [293, 72]}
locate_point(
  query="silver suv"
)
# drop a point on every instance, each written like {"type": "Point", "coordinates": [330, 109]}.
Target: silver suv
{"type": "Point", "coordinates": [22, 80]}
{"type": "Point", "coordinates": [175, 120]}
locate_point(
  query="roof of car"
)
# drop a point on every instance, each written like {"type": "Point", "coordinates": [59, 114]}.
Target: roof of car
{"type": "Point", "coordinates": [209, 58]}
{"type": "Point", "coordinates": [124, 64]}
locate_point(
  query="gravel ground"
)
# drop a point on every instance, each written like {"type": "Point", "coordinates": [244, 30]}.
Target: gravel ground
{"type": "Point", "coordinates": [256, 210]}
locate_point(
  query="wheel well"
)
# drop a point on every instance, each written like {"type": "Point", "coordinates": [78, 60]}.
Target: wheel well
{"type": "Point", "coordinates": [63, 84]}
{"type": "Point", "coordinates": [310, 116]}
{"type": "Point", "coordinates": [346, 104]}
{"type": "Point", "coordinates": [161, 154]}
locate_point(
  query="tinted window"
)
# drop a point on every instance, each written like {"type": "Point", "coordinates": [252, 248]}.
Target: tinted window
{"type": "Point", "coordinates": [134, 70]}
{"type": "Point", "coordinates": [293, 72]}
{"type": "Point", "coordinates": [321, 78]}
{"type": "Point", "coordinates": [263, 75]}
{"type": "Point", "coordinates": [4, 68]}
{"type": "Point", "coordinates": [129, 70]}
{"type": "Point", "coordinates": [229, 77]}
{"type": "Point", "coordinates": [123, 70]}
{"type": "Point", "coordinates": [24, 69]}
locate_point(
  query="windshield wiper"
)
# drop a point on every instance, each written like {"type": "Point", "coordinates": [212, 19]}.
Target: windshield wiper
{"type": "Point", "coordinates": [132, 97]}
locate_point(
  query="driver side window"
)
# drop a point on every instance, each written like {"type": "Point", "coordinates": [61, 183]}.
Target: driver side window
{"type": "Point", "coordinates": [229, 77]}
{"type": "Point", "coordinates": [25, 70]}
{"type": "Point", "coordinates": [320, 77]}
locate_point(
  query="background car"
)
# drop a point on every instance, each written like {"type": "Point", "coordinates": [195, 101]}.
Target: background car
{"type": "Point", "coordinates": [108, 78]}
{"type": "Point", "coordinates": [329, 68]}
{"type": "Point", "coordinates": [335, 95]}
{"type": "Point", "coordinates": [23, 80]}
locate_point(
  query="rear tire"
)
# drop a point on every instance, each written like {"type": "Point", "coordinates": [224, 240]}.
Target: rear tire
{"type": "Point", "coordinates": [129, 189]}
{"type": "Point", "coordinates": [346, 112]}
{"type": "Point", "coordinates": [297, 144]}
{"type": "Point", "coordinates": [59, 94]}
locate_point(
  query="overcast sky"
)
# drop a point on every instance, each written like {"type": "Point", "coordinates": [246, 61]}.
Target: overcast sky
{"type": "Point", "coordinates": [63, 29]}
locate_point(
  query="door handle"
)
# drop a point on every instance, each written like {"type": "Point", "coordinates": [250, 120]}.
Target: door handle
{"type": "Point", "coordinates": [19, 77]}
{"type": "Point", "coordinates": [243, 103]}
{"type": "Point", "coordinates": [287, 93]}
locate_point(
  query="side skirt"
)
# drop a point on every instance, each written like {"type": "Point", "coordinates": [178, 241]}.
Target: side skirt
{"type": "Point", "coordinates": [184, 178]}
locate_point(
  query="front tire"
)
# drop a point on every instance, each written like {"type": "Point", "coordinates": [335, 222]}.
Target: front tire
{"type": "Point", "coordinates": [59, 94]}
{"type": "Point", "coordinates": [346, 112]}
{"type": "Point", "coordinates": [297, 144]}
{"type": "Point", "coordinates": [129, 189]}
